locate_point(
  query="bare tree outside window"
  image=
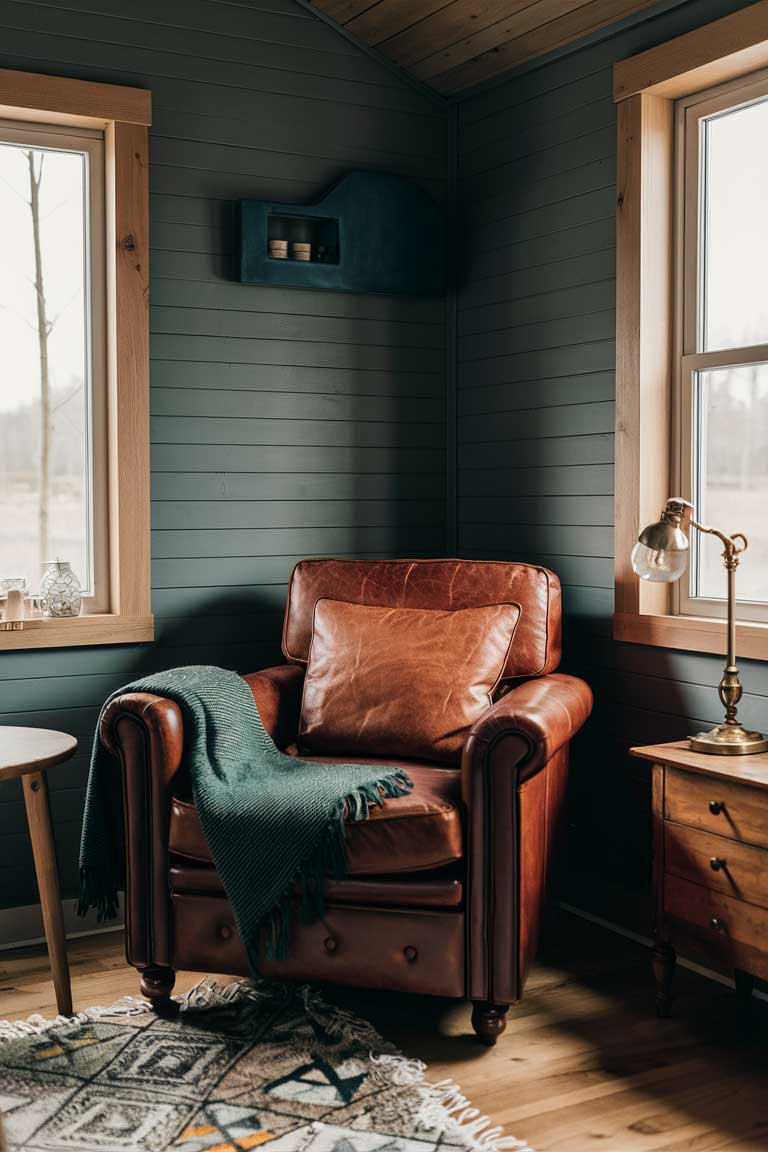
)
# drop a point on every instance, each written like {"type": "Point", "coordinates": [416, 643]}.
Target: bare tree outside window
{"type": "Point", "coordinates": [43, 331]}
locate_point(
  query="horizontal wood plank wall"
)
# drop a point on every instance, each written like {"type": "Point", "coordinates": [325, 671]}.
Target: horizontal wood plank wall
{"type": "Point", "coordinates": [536, 387]}
{"type": "Point", "coordinates": [285, 423]}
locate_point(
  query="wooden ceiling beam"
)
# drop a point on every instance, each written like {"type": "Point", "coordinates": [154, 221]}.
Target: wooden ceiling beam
{"type": "Point", "coordinates": [390, 18]}
{"type": "Point", "coordinates": [448, 29]}
{"type": "Point", "coordinates": [582, 21]}
{"type": "Point", "coordinates": [524, 18]}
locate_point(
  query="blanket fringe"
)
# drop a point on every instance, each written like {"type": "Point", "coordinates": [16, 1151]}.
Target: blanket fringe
{"type": "Point", "coordinates": [328, 859]}
{"type": "Point", "coordinates": [99, 891]}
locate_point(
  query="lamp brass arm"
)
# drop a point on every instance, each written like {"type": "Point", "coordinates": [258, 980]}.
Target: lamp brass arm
{"type": "Point", "coordinates": [731, 548]}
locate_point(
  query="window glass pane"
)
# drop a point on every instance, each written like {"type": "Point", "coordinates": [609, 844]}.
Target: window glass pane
{"type": "Point", "coordinates": [731, 480]}
{"type": "Point", "coordinates": [44, 409]}
{"type": "Point", "coordinates": [735, 228]}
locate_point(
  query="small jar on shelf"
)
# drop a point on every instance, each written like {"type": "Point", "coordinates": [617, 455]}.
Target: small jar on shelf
{"type": "Point", "coordinates": [60, 592]}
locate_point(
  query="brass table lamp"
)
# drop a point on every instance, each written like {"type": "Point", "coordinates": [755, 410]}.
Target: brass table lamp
{"type": "Point", "coordinates": [661, 556]}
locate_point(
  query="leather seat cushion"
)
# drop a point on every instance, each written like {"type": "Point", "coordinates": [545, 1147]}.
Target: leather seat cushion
{"type": "Point", "coordinates": [412, 833]}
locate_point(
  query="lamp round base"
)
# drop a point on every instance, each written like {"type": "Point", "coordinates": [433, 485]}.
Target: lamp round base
{"type": "Point", "coordinates": [729, 740]}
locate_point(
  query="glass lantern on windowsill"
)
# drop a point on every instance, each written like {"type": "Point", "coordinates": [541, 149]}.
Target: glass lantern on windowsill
{"type": "Point", "coordinates": [60, 591]}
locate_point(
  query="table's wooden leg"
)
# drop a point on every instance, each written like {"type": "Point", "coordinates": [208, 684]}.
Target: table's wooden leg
{"type": "Point", "coordinates": [44, 852]}
{"type": "Point", "coordinates": [664, 959]}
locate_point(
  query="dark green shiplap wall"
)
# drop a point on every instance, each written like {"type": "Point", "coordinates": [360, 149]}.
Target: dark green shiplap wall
{"type": "Point", "coordinates": [536, 359]}
{"type": "Point", "coordinates": [285, 423]}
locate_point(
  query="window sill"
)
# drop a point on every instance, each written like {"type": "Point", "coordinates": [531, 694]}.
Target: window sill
{"type": "Point", "coordinates": [690, 634]}
{"type": "Point", "coordinates": [99, 628]}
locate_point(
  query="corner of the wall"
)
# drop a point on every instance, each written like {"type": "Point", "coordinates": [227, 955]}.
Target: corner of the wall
{"type": "Point", "coordinates": [439, 101]}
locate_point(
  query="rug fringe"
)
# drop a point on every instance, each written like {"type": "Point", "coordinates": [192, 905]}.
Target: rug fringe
{"type": "Point", "coordinates": [444, 1104]}
{"type": "Point", "coordinates": [34, 1025]}
{"type": "Point", "coordinates": [447, 1099]}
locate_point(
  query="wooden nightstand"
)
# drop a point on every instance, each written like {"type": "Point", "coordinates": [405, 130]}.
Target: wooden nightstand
{"type": "Point", "coordinates": [710, 863]}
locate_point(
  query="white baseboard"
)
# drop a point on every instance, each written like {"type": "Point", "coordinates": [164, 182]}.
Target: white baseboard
{"type": "Point", "coordinates": [20, 927]}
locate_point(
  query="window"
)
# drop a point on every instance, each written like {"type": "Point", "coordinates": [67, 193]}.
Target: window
{"type": "Point", "coordinates": [53, 476]}
{"type": "Point", "coordinates": [720, 459]}
{"type": "Point", "coordinates": [691, 332]}
{"type": "Point", "coordinates": [74, 334]}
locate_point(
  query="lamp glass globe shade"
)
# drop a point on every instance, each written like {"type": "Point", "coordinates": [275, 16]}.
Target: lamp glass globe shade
{"type": "Point", "coordinates": [659, 565]}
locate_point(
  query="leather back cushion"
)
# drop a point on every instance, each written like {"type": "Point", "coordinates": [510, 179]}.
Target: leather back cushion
{"type": "Point", "coordinates": [401, 681]}
{"type": "Point", "coordinates": [438, 584]}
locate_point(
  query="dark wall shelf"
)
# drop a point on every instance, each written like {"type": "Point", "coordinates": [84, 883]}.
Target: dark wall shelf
{"type": "Point", "coordinates": [372, 232]}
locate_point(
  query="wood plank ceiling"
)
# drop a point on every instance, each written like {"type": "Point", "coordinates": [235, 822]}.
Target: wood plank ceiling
{"type": "Point", "coordinates": [452, 45]}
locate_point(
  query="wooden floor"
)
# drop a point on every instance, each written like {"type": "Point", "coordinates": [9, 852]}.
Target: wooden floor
{"type": "Point", "coordinates": [583, 1064]}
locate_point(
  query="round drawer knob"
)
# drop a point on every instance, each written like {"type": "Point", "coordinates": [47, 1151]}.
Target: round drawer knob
{"type": "Point", "coordinates": [410, 953]}
{"type": "Point", "coordinates": [225, 931]}
{"type": "Point", "coordinates": [716, 863]}
{"type": "Point", "coordinates": [330, 944]}
{"type": "Point", "coordinates": [716, 807]}
{"type": "Point", "coordinates": [717, 924]}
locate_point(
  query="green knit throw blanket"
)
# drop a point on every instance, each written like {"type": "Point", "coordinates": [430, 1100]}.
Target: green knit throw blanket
{"type": "Point", "coordinates": [273, 823]}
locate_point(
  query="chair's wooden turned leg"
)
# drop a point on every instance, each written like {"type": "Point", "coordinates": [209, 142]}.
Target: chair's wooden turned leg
{"type": "Point", "coordinates": [663, 970]}
{"type": "Point", "coordinates": [157, 986]}
{"type": "Point", "coordinates": [489, 1020]}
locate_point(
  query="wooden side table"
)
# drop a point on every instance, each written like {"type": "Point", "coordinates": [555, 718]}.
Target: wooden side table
{"type": "Point", "coordinates": [28, 753]}
{"type": "Point", "coordinates": [710, 863]}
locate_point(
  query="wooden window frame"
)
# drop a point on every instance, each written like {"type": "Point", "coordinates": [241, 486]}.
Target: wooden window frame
{"type": "Point", "coordinates": [645, 88]}
{"type": "Point", "coordinates": [123, 115]}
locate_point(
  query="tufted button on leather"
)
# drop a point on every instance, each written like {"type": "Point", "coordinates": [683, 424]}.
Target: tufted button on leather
{"type": "Point", "coordinates": [225, 931]}
{"type": "Point", "coordinates": [330, 944]}
{"type": "Point", "coordinates": [410, 953]}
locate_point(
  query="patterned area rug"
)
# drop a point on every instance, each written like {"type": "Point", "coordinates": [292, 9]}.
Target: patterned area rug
{"type": "Point", "coordinates": [240, 1067]}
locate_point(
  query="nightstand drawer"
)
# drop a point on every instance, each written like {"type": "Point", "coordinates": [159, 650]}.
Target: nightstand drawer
{"type": "Point", "coordinates": [727, 923]}
{"type": "Point", "coordinates": [718, 806]}
{"type": "Point", "coordinates": [739, 870]}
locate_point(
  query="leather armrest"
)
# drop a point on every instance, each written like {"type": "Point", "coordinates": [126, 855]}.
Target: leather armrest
{"type": "Point", "coordinates": [145, 732]}
{"type": "Point", "coordinates": [160, 719]}
{"type": "Point", "coordinates": [535, 720]}
{"type": "Point", "coordinates": [514, 779]}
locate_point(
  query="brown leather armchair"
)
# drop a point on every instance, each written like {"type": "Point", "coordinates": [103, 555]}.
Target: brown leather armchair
{"type": "Point", "coordinates": [446, 886]}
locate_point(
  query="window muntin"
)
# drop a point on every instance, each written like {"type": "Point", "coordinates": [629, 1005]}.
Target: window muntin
{"type": "Point", "coordinates": [720, 452]}
{"type": "Point", "coordinates": [67, 165]}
